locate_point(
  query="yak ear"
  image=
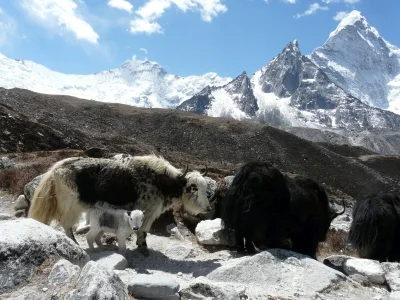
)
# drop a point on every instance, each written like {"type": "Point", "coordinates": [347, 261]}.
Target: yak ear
{"type": "Point", "coordinates": [127, 214]}
{"type": "Point", "coordinates": [143, 211]}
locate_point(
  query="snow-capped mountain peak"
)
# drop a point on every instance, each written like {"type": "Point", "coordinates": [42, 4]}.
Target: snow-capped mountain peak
{"type": "Point", "coordinates": [355, 19]}
{"type": "Point", "coordinates": [360, 61]}
{"type": "Point", "coordinates": [136, 82]}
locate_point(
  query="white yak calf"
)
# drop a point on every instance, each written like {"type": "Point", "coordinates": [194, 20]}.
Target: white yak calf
{"type": "Point", "coordinates": [117, 221]}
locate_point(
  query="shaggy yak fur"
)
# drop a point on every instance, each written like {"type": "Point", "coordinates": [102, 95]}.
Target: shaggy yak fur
{"type": "Point", "coordinates": [375, 230]}
{"type": "Point", "coordinates": [148, 183]}
{"type": "Point", "coordinates": [257, 207]}
{"type": "Point", "coordinates": [311, 214]}
{"type": "Point", "coordinates": [117, 221]}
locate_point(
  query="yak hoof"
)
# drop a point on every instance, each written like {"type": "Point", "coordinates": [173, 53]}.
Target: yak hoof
{"type": "Point", "coordinates": [144, 250]}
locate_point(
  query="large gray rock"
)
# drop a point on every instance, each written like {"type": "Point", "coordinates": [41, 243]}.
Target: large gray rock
{"type": "Point", "coordinates": [369, 268]}
{"type": "Point", "coordinates": [6, 163]}
{"type": "Point", "coordinates": [212, 232]}
{"type": "Point", "coordinates": [336, 262]}
{"type": "Point", "coordinates": [98, 282]}
{"type": "Point", "coordinates": [181, 252]}
{"type": "Point", "coordinates": [64, 273]}
{"type": "Point", "coordinates": [392, 275]}
{"type": "Point", "coordinates": [30, 187]}
{"type": "Point", "coordinates": [393, 296]}
{"type": "Point", "coordinates": [203, 289]}
{"type": "Point", "coordinates": [4, 217]}
{"type": "Point", "coordinates": [21, 203]}
{"type": "Point", "coordinates": [25, 244]}
{"type": "Point", "coordinates": [110, 260]}
{"type": "Point", "coordinates": [153, 286]}
{"type": "Point", "coordinates": [125, 275]}
{"type": "Point", "coordinates": [278, 273]}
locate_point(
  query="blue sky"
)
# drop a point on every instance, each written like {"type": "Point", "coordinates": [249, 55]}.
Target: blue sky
{"type": "Point", "coordinates": [187, 37]}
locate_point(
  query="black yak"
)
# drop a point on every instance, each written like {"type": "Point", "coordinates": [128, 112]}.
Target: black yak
{"type": "Point", "coordinates": [311, 214]}
{"type": "Point", "coordinates": [257, 207]}
{"type": "Point", "coordinates": [375, 230]}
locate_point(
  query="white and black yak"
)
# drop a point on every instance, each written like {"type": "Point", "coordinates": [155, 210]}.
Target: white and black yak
{"type": "Point", "coordinates": [120, 222]}
{"type": "Point", "coordinates": [311, 214]}
{"type": "Point", "coordinates": [148, 183]}
{"type": "Point", "coordinates": [375, 229]}
{"type": "Point", "coordinates": [257, 208]}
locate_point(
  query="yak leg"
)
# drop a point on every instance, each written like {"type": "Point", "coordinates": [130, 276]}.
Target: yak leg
{"type": "Point", "coordinates": [249, 245]}
{"type": "Point", "coordinates": [70, 234]}
{"type": "Point", "coordinates": [239, 241]}
{"type": "Point", "coordinates": [97, 239]}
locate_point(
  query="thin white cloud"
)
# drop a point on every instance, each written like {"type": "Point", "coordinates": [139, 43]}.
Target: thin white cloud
{"type": "Point", "coordinates": [289, 1]}
{"type": "Point", "coordinates": [8, 29]}
{"type": "Point", "coordinates": [144, 50]}
{"type": "Point", "coordinates": [61, 16]}
{"type": "Point", "coordinates": [311, 10]}
{"type": "Point", "coordinates": [343, 1]}
{"type": "Point", "coordinates": [340, 15]}
{"type": "Point", "coordinates": [145, 26]}
{"type": "Point", "coordinates": [121, 4]}
{"type": "Point", "coordinates": [155, 9]}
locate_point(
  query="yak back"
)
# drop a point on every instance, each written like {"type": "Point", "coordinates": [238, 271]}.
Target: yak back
{"type": "Point", "coordinates": [259, 195]}
{"type": "Point", "coordinates": [375, 222]}
{"type": "Point", "coordinates": [118, 185]}
{"type": "Point", "coordinates": [309, 203]}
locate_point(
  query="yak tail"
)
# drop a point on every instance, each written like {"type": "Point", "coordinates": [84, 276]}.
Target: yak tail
{"type": "Point", "coordinates": [44, 202]}
{"type": "Point", "coordinates": [44, 206]}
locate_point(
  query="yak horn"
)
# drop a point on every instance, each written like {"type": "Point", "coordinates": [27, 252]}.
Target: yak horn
{"type": "Point", "coordinates": [206, 172]}
{"type": "Point", "coordinates": [186, 171]}
{"type": "Point", "coordinates": [335, 214]}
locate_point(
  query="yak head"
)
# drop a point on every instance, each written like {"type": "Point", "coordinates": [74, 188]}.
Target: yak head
{"type": "Point", "coordinates": [194, 197]}
{"type": "Point", "coordinates": [135, 219]}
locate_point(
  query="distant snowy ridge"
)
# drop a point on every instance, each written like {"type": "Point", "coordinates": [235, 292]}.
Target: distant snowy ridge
{"type": "Point", "coordinates": [136, 82]}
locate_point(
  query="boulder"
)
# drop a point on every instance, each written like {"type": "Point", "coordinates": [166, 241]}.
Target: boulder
{"type": "Point", "coordinates": [153, 286]}
{"type": "Point", "coordinates": [20, 213]}
{"type": "Point", "coordinates": [25, 244]}
{"type": "Point", "coordinates": [369, 268]}
{"type": "Point", "coordinates": [64, 274]}
{"type": "Point", "coordinates": [392, 275]}
{"type": "Point", "coordinates": [30, 187]}
{"type": "Point", "coordinates": [21, 203]}
{"type": "Point", "coordinates": [110, 260]}
{"type": "Point", "coordinates": [98, 282]}
{"type": "Point", "coordinates": [393, 296]}
{"type": "Point", "coordinates": [336, 262]}
{"type": "Point", "coordinates": [4, 217]}
{"type": "Point", "coordinates": [125, 275]}
{"type": "Point", "coordinates": [203, 289]}
{"type": "Point", "coordinates": [181, 252]}
{"type": "Point", "coordinates": [6, 163]}
{"type": "Point", "coordinates": [278, 273]}
{"type": "Point", "coordinates": [212, 232]}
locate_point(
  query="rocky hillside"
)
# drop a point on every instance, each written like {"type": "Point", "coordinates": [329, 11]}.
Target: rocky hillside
{"type": "Point", "coordinates": [183, 137]}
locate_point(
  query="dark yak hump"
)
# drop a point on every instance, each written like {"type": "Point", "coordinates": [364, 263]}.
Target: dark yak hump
{"type": "Point", "coordinates": [109, 183]}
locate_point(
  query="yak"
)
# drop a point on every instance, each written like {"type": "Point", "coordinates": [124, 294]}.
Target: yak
{"type": "Point", "coordinates": [311, 214]}
{"type": "Point", "coordinates": [257, 207]}
{"type": "Point", "coordinates": [149, 183]}
{"type": "Point", "coordinates": [375, 229]}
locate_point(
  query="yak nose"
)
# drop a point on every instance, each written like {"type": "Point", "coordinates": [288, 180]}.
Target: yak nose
{"type": "Point", "coordinates": [135, 228]}
{"type": "Point", "coordinates": [208, 208]}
